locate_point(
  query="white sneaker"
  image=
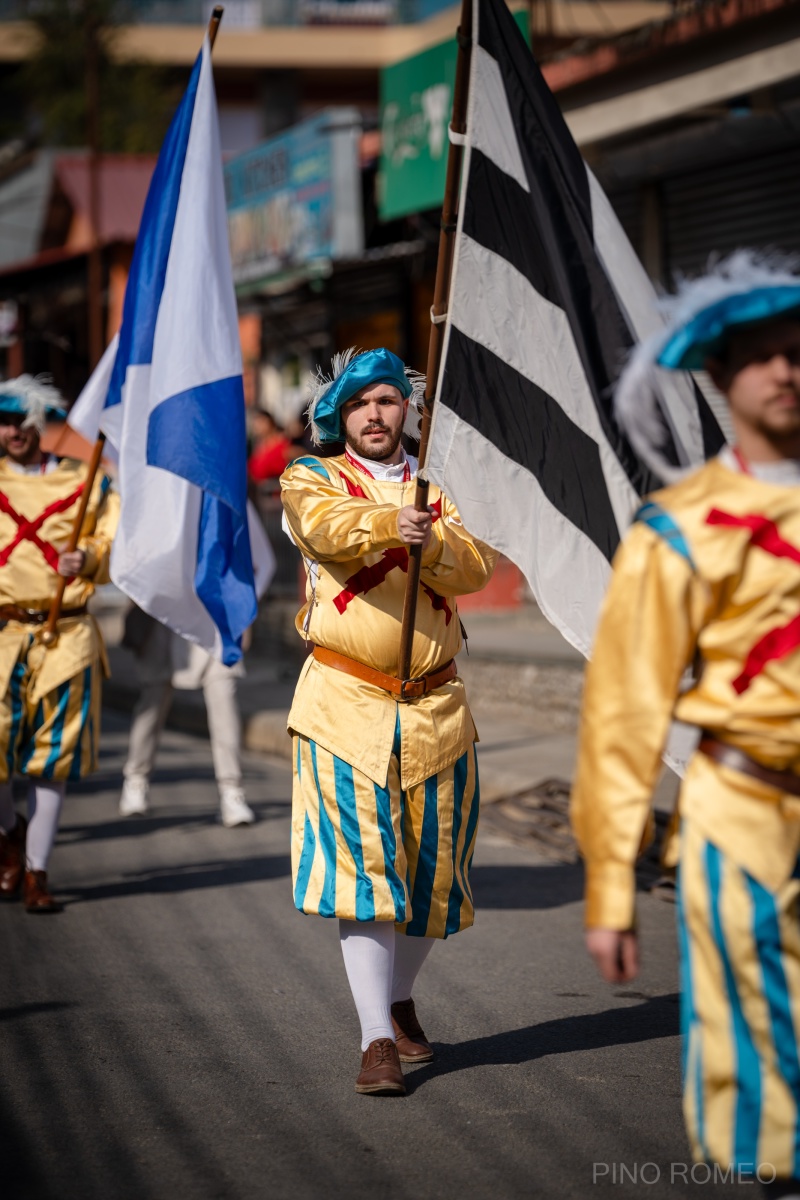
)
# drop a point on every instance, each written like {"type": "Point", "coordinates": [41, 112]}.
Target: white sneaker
{"type": "Point", "coordinates": [134, 801]}
{"type": "Point", "coordinates": [233, 808]}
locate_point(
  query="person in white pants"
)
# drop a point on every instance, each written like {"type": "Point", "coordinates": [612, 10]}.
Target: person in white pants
{"type": "Point", "coordinates": [167, 662]}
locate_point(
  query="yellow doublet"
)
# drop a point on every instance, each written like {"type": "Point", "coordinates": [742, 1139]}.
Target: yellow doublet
{"type": "Point", "coordinates": [711, 567]}
{"type": "Point", "coordinates": [49, 715]}
{"type": "Point", "coordinates": [346, 523]}
{"type": "Point", "coordinates": [386, 797]}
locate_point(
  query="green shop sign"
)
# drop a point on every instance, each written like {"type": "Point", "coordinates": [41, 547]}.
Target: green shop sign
{"type": "Point", "coordinates": [416, 102]}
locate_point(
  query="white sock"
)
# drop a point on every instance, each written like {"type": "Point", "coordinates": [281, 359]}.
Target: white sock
{"type": "Point", "coordinates": [368, 950]}
{"type": "Point", "coordinates": [409, 955]}
{"type": "Point", "coordinates": [8, 815]}
{"type": "Point", "coordinates": [44, 808]}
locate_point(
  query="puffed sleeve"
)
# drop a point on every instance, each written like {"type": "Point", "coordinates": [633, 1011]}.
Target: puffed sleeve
{"type": "Point", "coordinates": [645, 640]}
{"type": "Point", "coordinates": [456, 563]}
{"type": "Point", "coordinates": [98, 532]}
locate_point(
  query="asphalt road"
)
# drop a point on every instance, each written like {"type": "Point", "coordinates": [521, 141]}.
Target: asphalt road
{"type": "Point", "coordinates": [181, 1033]}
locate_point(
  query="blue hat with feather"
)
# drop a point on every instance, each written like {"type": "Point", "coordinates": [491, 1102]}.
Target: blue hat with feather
{"type": "Point", "coordinates": [351, 371]}
{"type": "Point", "coordinates": [34, 398]}
{"type": "Point", "coordinates": [744, 289]}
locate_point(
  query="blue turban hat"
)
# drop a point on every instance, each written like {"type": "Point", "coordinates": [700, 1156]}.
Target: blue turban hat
{"type": "Point", "coordinates": [703, 335]}
{"type": "Point", "coordinates": [350, 373]}
{"type": "Point", "coordinates": [736, 292]}
{"type": "Point", "coordinates": [32, 397]}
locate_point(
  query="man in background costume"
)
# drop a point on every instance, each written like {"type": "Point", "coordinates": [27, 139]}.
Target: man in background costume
{"type": "Point", "coordinates": [385, 801]}
{"type": "Point", "coordinates": [50, 706]}
{"type": "Point", "coordinates": [708, 580]}
{"type": "Point", "coordinates": [168, 662]}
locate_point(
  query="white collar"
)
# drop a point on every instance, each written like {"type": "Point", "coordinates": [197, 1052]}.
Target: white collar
{"type": "Point", "coordinates": [785, 473]}
{"type": "Point", "coordinates": [391, 472]}
{"type": "Point", "coordinates": [45, 467]}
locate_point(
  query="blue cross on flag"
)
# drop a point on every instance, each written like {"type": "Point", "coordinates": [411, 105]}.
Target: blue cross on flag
{"type": "Point", "coordinates": [169, 397]}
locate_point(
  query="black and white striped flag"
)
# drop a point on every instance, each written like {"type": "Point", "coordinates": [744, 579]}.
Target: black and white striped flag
{"type": "Point", "coordinates": [547, 298]}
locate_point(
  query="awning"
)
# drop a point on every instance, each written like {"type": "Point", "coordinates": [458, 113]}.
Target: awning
{"type": "Point", "coordinates": [684, 93]}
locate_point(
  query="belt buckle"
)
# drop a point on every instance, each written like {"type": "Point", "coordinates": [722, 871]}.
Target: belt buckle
{"type": "Point", "coordinates": [418, 683]}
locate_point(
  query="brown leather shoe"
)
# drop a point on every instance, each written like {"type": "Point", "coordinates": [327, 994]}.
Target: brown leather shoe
{"type": "Point", "coordinates": [412, 1045]}
{"type": "Point", "coordinates": [380, 1073]}
{"type": "Point", "coordinates": [12, 859]}
{"type": "Point", "coordinates": [36, 895]}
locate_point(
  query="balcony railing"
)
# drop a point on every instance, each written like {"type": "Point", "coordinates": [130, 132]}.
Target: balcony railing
{"type": "Point", "coordinates": [253, 14]}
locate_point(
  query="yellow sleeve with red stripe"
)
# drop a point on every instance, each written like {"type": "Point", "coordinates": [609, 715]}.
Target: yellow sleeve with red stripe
{"type": "Point", "coordinates": [653, 611]}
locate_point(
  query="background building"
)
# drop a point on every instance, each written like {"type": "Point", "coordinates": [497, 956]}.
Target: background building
{"type": "Point", "coordinates": [334, 121]}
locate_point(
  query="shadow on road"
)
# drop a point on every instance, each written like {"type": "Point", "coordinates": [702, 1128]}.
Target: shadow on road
{"type": "Point", "coordinates": [163, 776]}
{"type": "Point", "coordinates": [32, 1010]}
{"type": "Point", "coordinates": [656, 1018]}
{"type": "Point", "coordinates": [166, 880]}
{"type": "Point", "coordinates": [523, 886]}
{"type": "Point", "coordinates": [125, 827]}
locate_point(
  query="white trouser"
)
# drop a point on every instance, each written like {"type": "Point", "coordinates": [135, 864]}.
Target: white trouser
{"type": "Point", "coordinates": [224, 726]}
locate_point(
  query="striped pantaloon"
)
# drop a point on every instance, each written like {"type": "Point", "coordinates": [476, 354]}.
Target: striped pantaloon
{"type": "Point", "coordinates": [56, 737]}
{"type": "Point", "coordinates": [740, 1012]}
{"type": "Point", "coordinates": [371, 853]}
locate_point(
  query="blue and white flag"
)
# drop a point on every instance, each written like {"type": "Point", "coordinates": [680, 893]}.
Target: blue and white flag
{"type": "Point", "coordinates": [173, 407]}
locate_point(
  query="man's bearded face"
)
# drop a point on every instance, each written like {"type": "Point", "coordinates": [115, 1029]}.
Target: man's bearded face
{"type": "Point", "coordinates": [373, 421]}
{"type": "Point", "coordinates": [760, 376]}
{"type": "Point", "coordinates": [20, 442]}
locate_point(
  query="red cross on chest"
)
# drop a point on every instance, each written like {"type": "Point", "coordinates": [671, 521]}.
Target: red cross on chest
{"type": "Point", "coordinates": [28, 530]}
{"type": "Point", "coordinates": [369, 577]}
{"type": "Point", "coordinates": [783, 639]}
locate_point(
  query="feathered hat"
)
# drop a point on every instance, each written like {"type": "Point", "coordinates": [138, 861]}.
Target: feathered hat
{"type": "Point", "coordinates": [351, 371]}
{"type": "Point", "coordinates": [745, 288]}
{"type": "Point", "coordinates": [34, 397]}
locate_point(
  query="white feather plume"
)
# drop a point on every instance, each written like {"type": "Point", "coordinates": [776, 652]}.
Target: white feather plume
{"type": "Point", "coordinates": [637, 407]}
{"type": "Point", "coordinates": [37, 394]}
{"type": "Point", "coordinates": [320, 382]}
{"type": "Point", "coordinates": [416, 401]}
{"type": "Point", "coordinates": [639, 393]}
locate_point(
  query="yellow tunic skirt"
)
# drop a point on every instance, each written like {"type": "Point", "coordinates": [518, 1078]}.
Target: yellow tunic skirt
{"type": "Point", "coordinates": [740, 998]}
{"type": "Point", "coordinates": [371, 853]}
{"type": "Point", "coordinates": [56, 736]}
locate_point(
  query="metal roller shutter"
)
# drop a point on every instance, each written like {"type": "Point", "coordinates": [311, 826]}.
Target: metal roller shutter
{"type": "Point", "coordinates": [753, 202]}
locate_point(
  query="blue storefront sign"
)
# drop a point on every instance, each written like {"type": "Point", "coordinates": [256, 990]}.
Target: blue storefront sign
{"type": "Point", "coordinates": [295, 200]}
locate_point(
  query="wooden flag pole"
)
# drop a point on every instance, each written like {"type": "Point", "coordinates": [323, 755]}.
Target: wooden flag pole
{"type": "Point", "coordinates": [49, 634]}
{"type": "Point", "coordinates": [441, 295]}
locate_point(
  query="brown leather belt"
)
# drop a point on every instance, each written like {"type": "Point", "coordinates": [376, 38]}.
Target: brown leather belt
{"type": "Point", "coordinates": [737, 760]}
{"type": "Point", "coordinates": [35, 616]}
{"type": "Point", "coordinates": [404, 689]}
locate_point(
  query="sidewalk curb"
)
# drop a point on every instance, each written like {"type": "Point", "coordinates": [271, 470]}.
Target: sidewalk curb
{"type": "Point", "coordinates": [264, 731]}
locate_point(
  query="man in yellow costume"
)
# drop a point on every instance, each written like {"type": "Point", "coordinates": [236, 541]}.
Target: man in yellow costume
{"type": "Point", "coordinates": [49, 696]}
{"type": "Point", "coordinates": [707, 582]}
{"type": "Point", "coordinates": [385, 802]}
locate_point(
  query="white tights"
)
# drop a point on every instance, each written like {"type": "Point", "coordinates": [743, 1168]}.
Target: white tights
{"type": "Point", "coordinates": [44, 809]}
{"type": "Point", "coordinates": [381, 966]}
